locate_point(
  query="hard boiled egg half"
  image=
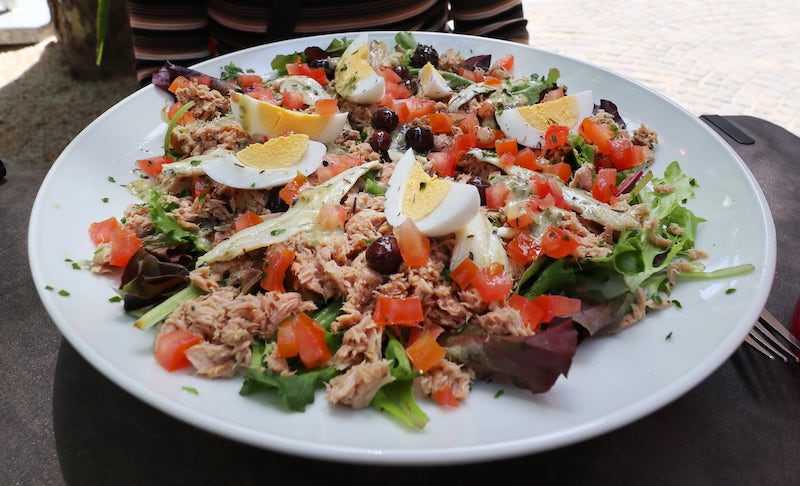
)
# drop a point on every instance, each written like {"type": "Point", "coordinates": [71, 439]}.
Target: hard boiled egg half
{"type": "Point", "coordinates": [260, 118]}
{"type": "Point", "coordinates": [528, 124]}
{"type": "Point", "coordinates": [432, 84]}
{"type": "Point", "coordinates": [437, 206]}
{"type": "Point", "coordinates": [355, 78]}
{"type": "Point", "coordinates": [263, 165]}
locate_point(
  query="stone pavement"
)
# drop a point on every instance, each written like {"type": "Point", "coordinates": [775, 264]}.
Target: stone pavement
{"type": "Point", "coordinates": [731, 57]}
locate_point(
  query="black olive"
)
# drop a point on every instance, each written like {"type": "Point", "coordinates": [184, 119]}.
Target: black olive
{"type": "Point", "coordinates": [2, 170]}
{"type": "Point", "coordinates": [402, 71]}
{"type": "Point", "coordinates": [274, 202]}
{"type": "Point", "coordinates": [411, 85]}
{"type": "Point", "coordinates": [380, 141]}
{"type": "Point", "coordinates": [384, 119]}
{"type": "Point", "coordinates": [419, 139]}
{"type": "Point", "coordinates": [323, 63]}
{"type": "Point", "coordinates": [481, 183]}
{"type": "Point", "coordinates": [383, 255]}
{"type": "Point", "coordinates": [424, 54]}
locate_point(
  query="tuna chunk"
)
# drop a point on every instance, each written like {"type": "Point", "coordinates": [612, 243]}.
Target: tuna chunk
{"type": "Point", "coordinates": [359, 384]}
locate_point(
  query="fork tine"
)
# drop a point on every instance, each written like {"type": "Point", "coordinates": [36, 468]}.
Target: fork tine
{"type": "Point", "coordinates": [762, 335]}
{"type": "Point", "coordinates": [758, 347]}
{"type": "Point", "coordinates": [774, 324]}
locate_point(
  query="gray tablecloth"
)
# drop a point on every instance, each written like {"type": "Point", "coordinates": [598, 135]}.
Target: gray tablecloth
{"type": "Point", "coordinates": [62, 422]}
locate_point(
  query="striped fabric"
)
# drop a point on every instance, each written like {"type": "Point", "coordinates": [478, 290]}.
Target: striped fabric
{"type": "Point", "coordinates": [188, 31]}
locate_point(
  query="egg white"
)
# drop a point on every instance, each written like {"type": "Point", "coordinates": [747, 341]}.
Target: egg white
{"type": "Point", "coordinates": [225, 168]}
{"type": "Point", "coordinates": [515, 127]}
{"type": "Point", "coordinates": [366, 86]}
{"type": "Point", "coordinates": [459, 206]}
{"type": "Point", "coordinates": [432, 84]}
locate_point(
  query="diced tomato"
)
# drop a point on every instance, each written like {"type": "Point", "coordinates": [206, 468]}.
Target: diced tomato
{"type": "Point", "coordinates": [201, 185]}
{"type": "Point", "coordinates": [632, 156]}
{"type": "Point", "coordinates": [425, 352]}
{"type": "Point", "coordinates": [334, 164]}
{"type": "Point", "coordinates": [401, 109]}
{"type": "Point", "coordinates": [605, 185]}
{"type": "Point", "coordinates": [289, 192]}
{"type": "Point", "coordinates": [171, 348]}
{"type": "Point", "coordinates": [553, 95]}
{"type": "Point", "coordinates": [493, 283]}
{"type": "Point", "coordinates": [474, 76]}
{"type": "Point", "coordinates": [531, 314]}
{"type": "Point", "coordinates": [123, 242]}
{"type": "Point", "coordinates": [177, 83]}
{"type": "Point", "coordinates": [415, 107]}
{"type": "Point", "coordinates": [388, 74]}
{"type": "Point", "coordinates": [465, 273]}
{"type": "Point", "coordinates": [101, 231]}
{"type": "Point", "coordinates": [311, 345]}
{"type": "Point", "coordinates": [285, 340]}
{"type": "Point", "coordinates": [519, 216]}
{"type": "Point", "coordinates": [467, 122]}
{"type": "Point", "coordinates": [506, 146]}
{"type": "Point", "coordinates": [152, 166]}
{"type": "Point", "coordinates": [398, 310]}
{"type": "Point", "coordinates": [332, 216]}
{"type": "Point", "coordinates": [444, 163]}
{"type": "Point", "coordinates": [445, 396]}
{"type": "Point", "coordinates": [292, 100]}
{"type": "Point", "coordinates": [487, 141]}
{"type": "Point", "coordinates": [560, 169]}
{"type": "Point", "coordinates": [598, 135]}
{"type": "Point", "coordinates": [397, 91]}
{"type": "Point", "coordinates": [524, 248]}
{"type": "Point", "coordinates": [506, 62]}
{"type": "Point", "coordinates": [556, 306]}
{"type": "Point", "coordinates": [276, 263]}
{"type": "Point", "coordinates": [302, 69]}
{"type": "Point", "coordinates": [415, 248]}
{"type": "Point", "coordinates": [185, 119]}
{"type": "Point", "coordinates": [547, 190]}
{"type": "Point", "coordinates": [463, 142]}
{"type": "Point", "coordinates": [557, 243]}
{"type": "Point", "coordinates": [496, 195]}
{"type": "Point", "coordinates": [326, 107]}
{"type": "Point", "coordinates": [249, 80]}
{"type": "Point", "coordinates": [526, 158]}
{"type": "Point", "coordinates": [555, 137]}
{"type": "Point", "coordinates": [246, 220]}
{"type": "Point", "coordinates": [440, 123]}
{"type": "Point", "coordinates": [201, 79]}
{"type": "Point", "coordinates": [435, 330]}
{"type": "Point", "coordinates": [492, 81]}
{"type": "Point", "coordinates": [262, 94]}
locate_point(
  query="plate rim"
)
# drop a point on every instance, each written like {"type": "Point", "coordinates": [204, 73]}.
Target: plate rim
{"type": "Point", "coordinates": [418, 456]}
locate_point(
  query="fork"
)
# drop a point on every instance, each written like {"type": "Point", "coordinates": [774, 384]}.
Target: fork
{"type": "Point", "coordinates": [772, 339]}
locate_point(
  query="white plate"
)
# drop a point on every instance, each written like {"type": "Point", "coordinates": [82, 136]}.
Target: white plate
{"type": "Point", "coordinates": [613, 381]}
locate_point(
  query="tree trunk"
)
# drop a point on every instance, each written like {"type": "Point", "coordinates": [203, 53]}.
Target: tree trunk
{"type": "Point", "coordinates": [75, 25]}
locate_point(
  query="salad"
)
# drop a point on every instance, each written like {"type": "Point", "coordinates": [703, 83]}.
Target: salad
{"type": "Point", "coordinates": [390, 224]}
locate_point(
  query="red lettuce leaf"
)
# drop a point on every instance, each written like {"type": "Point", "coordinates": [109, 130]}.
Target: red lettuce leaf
{"type": "Point", "coordinates": [169, 71]}
{"type": "Point", "coordinates": [530, 362]}
{"type": "Point", "coordinates": [147, 280]}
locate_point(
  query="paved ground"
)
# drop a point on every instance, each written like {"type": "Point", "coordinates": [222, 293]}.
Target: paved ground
{"type": "Point", "coordinates": [732, 57]}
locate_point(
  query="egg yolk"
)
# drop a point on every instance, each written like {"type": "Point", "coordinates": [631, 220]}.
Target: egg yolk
{"type": "Point", "coordinates": [423, 193]}
{"type": "Point", "coordinates": [563, 111]}
{"type": "Point", "coordinates": [353, 69]}
{"type": "Point", "coordinates": [275, 153]}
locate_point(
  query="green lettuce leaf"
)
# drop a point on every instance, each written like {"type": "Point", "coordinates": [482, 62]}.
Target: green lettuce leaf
{"type": "Point", "coordinates": [397, 398]}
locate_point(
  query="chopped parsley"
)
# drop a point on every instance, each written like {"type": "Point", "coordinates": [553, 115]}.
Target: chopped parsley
{"type": "Point", "coordinates": [63, 293]}
{"type": "Point", "coordinates": [190, 389]}
{"type": "Point", "coordinates": [111, 179]}
{"type": "Point", "coordinates": [499, 393]}
{"type": "Point", "coordinates": [115, 299]}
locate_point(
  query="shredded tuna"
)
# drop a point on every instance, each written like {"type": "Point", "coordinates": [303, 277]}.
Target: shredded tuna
{"type": "Point", "coordinates": [209, 103]}
{"type": "Point", "coordinates": [202, 137]}
{"type": "Point", "coordinates": [446, 374]}
{"type": "Point", "coordinates": [359, 384]}
{"type": "Point", "coordinates": [227, 320]}
{"type": "Point", "coordinates": [504, 320]}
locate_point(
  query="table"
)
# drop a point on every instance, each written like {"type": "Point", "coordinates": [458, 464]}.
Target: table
{"type": "Point", "coordinates": [63, 422]}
